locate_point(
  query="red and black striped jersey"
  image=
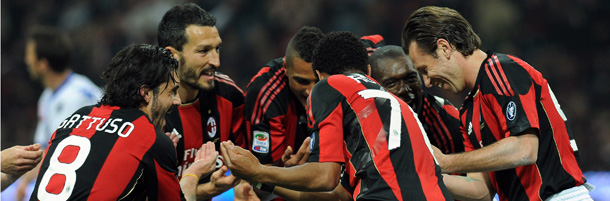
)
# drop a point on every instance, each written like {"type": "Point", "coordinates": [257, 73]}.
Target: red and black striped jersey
{"type": "Point", "coordinates": [217, 116]}
{"type": "Point", "coordinates": [274, 117]}
{"type": "Point", "coordinates": [377, 136]}
{"type": "Point", "coordinates": [108, 153]}
{"type": "Point", "coordinates": [508, 98]}
{"type": "Point", "coordinates": [441, 122]}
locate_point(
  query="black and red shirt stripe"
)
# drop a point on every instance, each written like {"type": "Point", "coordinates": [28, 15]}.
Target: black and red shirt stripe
{"type": "Point", "coordinates": [353, 120]}
{"type": "Point", "coordinates": [217, 116]}
{"type": "Point", "coordinates": [272, 110]}
{"type": "Point", "coordinates": [108, 153]}
{"type": "Point", "coordinates": [441, 122]}
{"type": "Point", "coordinates": [508, 98]}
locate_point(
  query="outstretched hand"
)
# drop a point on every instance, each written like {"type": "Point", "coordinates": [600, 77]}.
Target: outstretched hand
{"type": "Point", "coordinates": [241, 162]}
{"type": "Point", "coordinates": [300, 157]}
{"type": "Point", "coordinates": [244, 192]}
{"type": "Point", "coordinates": [205, 160]}
{"type": "Point", "coordinates": [20, 159]}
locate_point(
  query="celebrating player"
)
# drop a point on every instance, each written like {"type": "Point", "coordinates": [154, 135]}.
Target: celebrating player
{"type": "Point", "coordinates": [212, 105]}
{"type": "Point", "coordinates": [115, 149]}
{"type": "Point", "coordinates": [513, 126]}
{"type": "Point", "coordinates": [354, 123]}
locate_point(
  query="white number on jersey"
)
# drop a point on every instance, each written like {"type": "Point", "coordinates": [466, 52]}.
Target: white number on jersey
{"type": "Point", "coordinates": [58, 169]}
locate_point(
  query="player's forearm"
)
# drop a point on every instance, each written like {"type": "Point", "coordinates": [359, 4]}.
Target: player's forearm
{"type": "Point", "coordinates": [507, 153]}
{"type": "Point", "coordinates": [208, 190]}
{"type": "Point", "coordinates": [306, 177]}
{"type": "Point", "coordinates": [466, 188]}
{"type": "Point", "coordinates": [188, 185]}
{"type": "Point", "coordinates": [337, 194]}
{"type": "Point", "coordinates": [7, 180]}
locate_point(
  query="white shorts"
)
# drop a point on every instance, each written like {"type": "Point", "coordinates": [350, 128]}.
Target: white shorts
{"type": "Point", "coordinates": [576, 193]}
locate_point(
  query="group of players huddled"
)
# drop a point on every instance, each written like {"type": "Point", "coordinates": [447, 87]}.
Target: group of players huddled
{"type": "Point", "coordinates": [339, 117]}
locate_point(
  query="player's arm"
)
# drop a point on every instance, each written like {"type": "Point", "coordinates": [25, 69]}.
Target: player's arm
{"type": "Point", "coordinates": [473, 186]}
{"type": "Point", "coordinates": [307, 177]}
{"type": "Point", "coordinates": [339, 193]}
{"type": "Point", "coordinates": [205, 162]}
{"type": "Point", "coordinates": [219, 183]}
{"type": "Point", "coordinates": [510, 152]}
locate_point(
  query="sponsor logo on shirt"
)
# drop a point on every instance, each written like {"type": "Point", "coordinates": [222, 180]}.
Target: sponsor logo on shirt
{"type": "Point", "coordinates": [260, 143]}
{"type": "Point", "coordinates": [511, 111]}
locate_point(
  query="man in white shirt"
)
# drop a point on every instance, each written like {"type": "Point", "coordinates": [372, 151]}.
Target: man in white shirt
{"type": "Point", "coordinates": [47, 56]}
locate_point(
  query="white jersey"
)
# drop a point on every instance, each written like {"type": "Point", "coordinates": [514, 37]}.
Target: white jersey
{"type": "Point", "coordinates": [55, 106]}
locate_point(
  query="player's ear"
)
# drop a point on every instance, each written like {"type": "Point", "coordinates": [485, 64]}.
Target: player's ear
{"type": "Point", "coordinates": [43, 65]}
{"type": "Point", "coordinates": [284, 62]}
{"type": "Point", "coordinates": [443, 48]}
{"type": "Point", "coordinates": [146, 92]}
{"type": "Point", "coordinates": [319, 75]}
{"type": "Point", "coordinates": [174, 51]}
{"type": "Point", "coordinates": [368, 69]}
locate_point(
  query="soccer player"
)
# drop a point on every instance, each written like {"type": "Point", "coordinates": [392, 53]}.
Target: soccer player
{"type": "Point", "coordinates": [514, 130]}
{"type": "Point", "coordinates": [47, 55]}
{"type": "Point", "coordinates": [394, 70]}
{"type": "Point", "coordinates": [354, 123]}
{"type": "Point", "coordinates": [115, 149]}
{"type": "Point", "coordinates": [212, 108]}
{"type": "Point", "coordinates": [276, 99]}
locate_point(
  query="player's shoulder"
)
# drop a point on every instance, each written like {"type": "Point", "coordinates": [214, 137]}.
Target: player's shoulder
{"type": "Point", "coordinates": [226, 88]}
{"type": "Point", "coordinates": [506, 75]}
{"type": "Point", "coordinates": [435, 100]}
{"type": "Point", "coordinates": [272, 72]}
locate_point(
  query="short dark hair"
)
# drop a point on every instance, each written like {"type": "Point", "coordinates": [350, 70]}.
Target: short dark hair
{"type": "Point", "coordinates": [134, 66]}
{"type": "Point", "coordinates": [53, 45]}
{"type": "Point", "coordinates": [303, 44]}
{"type": "Point", "coordinates": [340, 52]}
{"type": "Point", "coordinates": [385, 52]}
{"type": "Point", "coordinates": [171, 30]}
{"type": "Point", "coordinates": [428, 24]}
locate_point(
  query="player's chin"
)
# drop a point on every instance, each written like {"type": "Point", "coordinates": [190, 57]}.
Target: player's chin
{"type": "Point", "coordinates": [206, 85]}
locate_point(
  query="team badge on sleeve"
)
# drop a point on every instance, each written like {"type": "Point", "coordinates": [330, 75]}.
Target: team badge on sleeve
{"type": "Point", "coordinates": [261, 142]}
{"type": "Point", "coordinates": [511, 111]}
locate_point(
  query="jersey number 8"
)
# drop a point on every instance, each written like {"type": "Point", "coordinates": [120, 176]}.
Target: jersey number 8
{"type": "Point", "coordinates": [63, 166]}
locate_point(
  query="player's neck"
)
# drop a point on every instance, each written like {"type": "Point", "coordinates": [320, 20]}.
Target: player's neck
{"type": "Point", "coordinates": [188, 93]}
{"type": "Point", "coordinates": [54, 79]}
{"type": "Point", "coordinates": [471, 67]}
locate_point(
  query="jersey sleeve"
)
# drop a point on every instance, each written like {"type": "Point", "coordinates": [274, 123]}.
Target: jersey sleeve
{"type": "Point", "coordinates": [268, 137]}
{"type": "Point", "coordinates": [450, 123]}
{"type": "Point", "coordinates": [233, 93]}
{"type": "Point", "coordinates": [510, 95]}
{"type": "Point", "coordinates": [265, 112]}
{"type": "Point", "coordinates": [325, 122]}
{"type": "Point", "coordinates": [161, 180]}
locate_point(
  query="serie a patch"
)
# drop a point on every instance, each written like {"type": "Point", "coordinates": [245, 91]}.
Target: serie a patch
{"type": "Point", "coordinates": [260, 143]}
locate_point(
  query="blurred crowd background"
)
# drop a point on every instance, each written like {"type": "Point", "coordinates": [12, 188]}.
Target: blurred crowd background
{"type": "Point", "coordinates": [567, 40]}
